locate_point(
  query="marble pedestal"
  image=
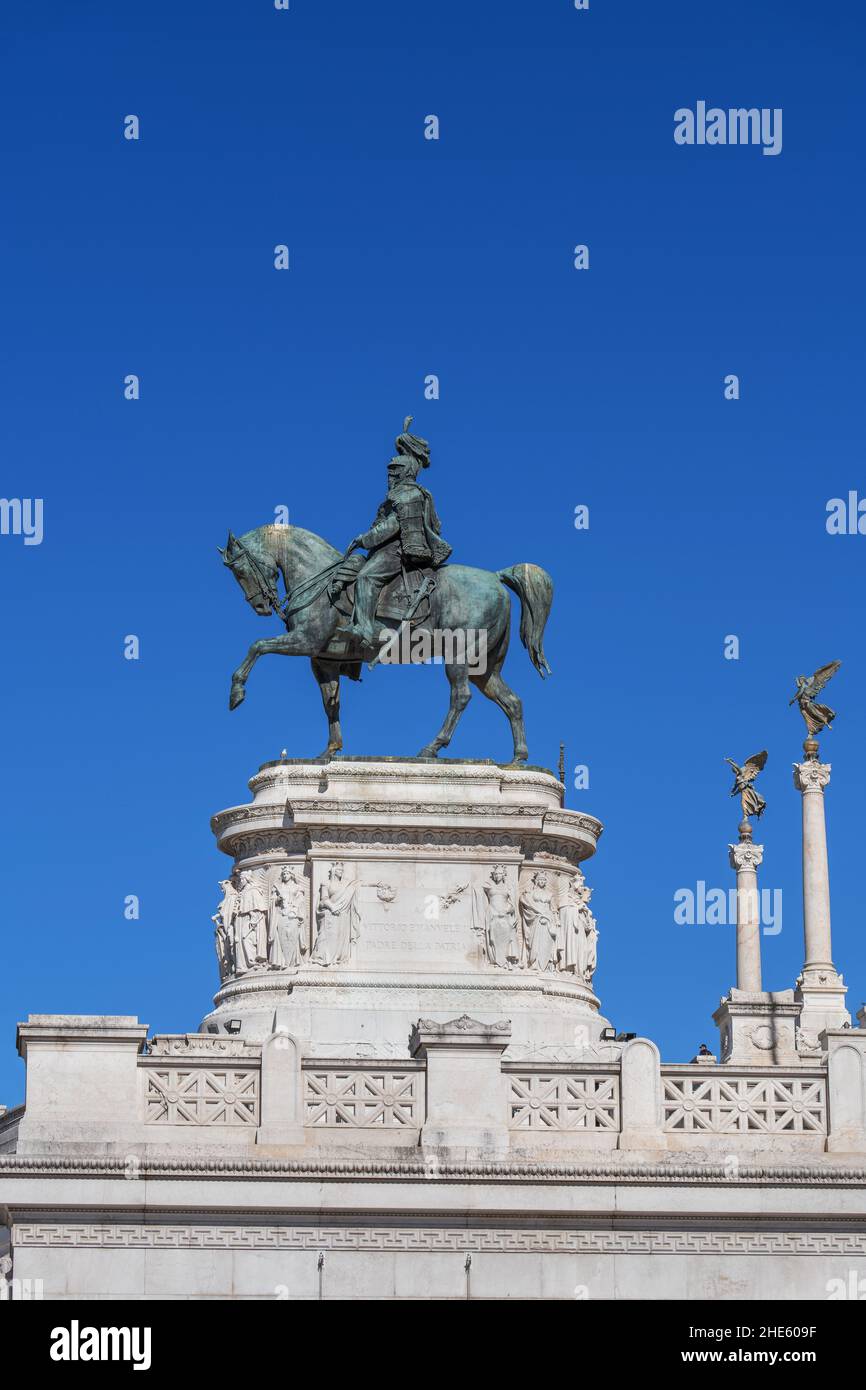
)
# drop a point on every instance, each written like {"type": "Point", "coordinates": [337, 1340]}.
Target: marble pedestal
{"type": "Point", "coordinates": [422, 842]}
{"type": "Point", "coordinates": [758, 1027]}
{"type": "Point", "coordinates": [820, 994]}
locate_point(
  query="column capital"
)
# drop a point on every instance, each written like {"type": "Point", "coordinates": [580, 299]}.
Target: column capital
{"type": "Point", "coordinates": [811, 776]}
{"type": "Point", "coordinates": [745, 855]}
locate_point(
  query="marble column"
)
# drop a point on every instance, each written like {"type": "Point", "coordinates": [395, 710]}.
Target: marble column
{"type": "Point", "coordinates": [745, 858]}
{"type": "Point", "coordinates": [810, 778]}
{"type": "Point", "coordinates": [755, 1026]}
{"type": "Point", "coordinates": [819, 987]}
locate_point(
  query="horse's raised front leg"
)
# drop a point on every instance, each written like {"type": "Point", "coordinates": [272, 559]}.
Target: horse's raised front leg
{"type": "Point", "coordinates": [461, 694]}
{"type": "Point", "coordinates": [329, 686]}
{"type": "Point", "coordinates": [281, 646]}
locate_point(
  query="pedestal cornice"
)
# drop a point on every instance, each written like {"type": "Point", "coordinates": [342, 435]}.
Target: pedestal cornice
{"type": "Point", "coordinates": [448, 803]}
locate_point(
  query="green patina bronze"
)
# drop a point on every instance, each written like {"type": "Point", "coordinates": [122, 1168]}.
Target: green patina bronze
{"type": "Point", "coordinates": [400, 602]}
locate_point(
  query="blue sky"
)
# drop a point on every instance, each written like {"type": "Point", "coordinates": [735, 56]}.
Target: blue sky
{"type": "Point", "coordinates": [558, 388]}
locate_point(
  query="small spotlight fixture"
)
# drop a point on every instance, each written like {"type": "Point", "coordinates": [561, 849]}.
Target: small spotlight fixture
{"type": "Point", "coordinates": [233, 1025]}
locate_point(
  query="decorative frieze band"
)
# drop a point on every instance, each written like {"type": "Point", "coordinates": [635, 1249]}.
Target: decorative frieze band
{"type": "Point", "coordinates": [411, 1239]}
{"type": "Point", "coordinates": [274, 842]}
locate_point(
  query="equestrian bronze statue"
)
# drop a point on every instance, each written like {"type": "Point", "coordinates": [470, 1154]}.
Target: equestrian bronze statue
{"type": "Point", "coordinates": [402, 602]}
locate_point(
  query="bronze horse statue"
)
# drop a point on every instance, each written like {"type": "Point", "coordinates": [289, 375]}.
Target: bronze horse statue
{"type": "Point", "coordinates": [461, 600]}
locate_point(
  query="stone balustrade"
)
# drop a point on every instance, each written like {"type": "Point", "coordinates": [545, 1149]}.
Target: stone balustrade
{"type": "Point", "coordinates": [253, 1093]}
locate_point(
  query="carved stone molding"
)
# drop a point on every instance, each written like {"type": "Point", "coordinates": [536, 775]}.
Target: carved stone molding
{"type": "Point", "coordinates": [674, 1171]}
{"type": "Point", "coordinates": [552, 819]}
{"type": "Point", "coordinates": [450, 772]}
{"type": "Point", "coordinates": [465, 1027]}
{"type": "Point", "coordinates": [493, 984]}
{"type": "Point", "coordinates": [203, 1045]}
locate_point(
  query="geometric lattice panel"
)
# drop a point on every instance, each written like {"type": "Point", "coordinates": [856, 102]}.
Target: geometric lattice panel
{"type": "Point", "coordinates": [550, 1100]}
{"type": "Point", "coordinates": [381, 1098]}
{"type": "Point", "coordinates": [199, 1096]}
{"type": "Point", "coordinates": [744, 1104]}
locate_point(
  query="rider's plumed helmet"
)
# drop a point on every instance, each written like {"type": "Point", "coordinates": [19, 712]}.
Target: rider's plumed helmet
{"type": "Point", "coordinates": [410, 446]}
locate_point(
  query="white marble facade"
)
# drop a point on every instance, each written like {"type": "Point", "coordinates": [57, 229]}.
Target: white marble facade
{"type": "Point", "coordinates": [406, 1087]}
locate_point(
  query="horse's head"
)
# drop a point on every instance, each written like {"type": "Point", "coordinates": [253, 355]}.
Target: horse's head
{"type": "Point", "coordinates": [255, 570]}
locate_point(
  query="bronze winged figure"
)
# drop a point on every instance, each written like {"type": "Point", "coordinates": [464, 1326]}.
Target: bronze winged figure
{"type": "Point", "coordinates": [752, 802]}
{"type": "Point", "coordinates": [817, 717]}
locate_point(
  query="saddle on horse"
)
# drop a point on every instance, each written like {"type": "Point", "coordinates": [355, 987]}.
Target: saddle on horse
{"type": "Point", "coordinates": [405, 598]}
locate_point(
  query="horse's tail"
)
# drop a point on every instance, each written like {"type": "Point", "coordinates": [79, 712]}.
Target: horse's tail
{"type": "Point", "coordinates": [534, 587]}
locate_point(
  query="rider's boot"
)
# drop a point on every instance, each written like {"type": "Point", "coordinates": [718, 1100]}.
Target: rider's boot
{"type": "Point", "coordinates": [362, 625]}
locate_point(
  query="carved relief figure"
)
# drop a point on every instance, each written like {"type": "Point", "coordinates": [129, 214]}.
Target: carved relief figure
{"type": "Point", "coordinates": [495, 919]}
{"type": "Point", "coordinates": [569, 944]}
{"type": "Point", "coordinates": [337, 918]}
{"type": "Point", "coordinates": [540, 922]}
{"type": "Point", "coordinates": [588, 953]}
{"type": "Point", "coordinates": [251, 923]}
{"type": "Point", "coordinates": [287, 920]}
{"type": "Point", "coordinates": [576, 944]}
{"type": "Point", "coordinates": [223, 920]}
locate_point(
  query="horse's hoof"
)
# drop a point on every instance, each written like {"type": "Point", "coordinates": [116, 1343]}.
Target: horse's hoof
{"type": "Point", "coordinates": [521, 754]}
{"type": "Point", "coordinates": [431, 751]}
{"type": "Point", "coordinates": [330, 751]}
{"type": "Point", "coordinates": [237, 696]}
